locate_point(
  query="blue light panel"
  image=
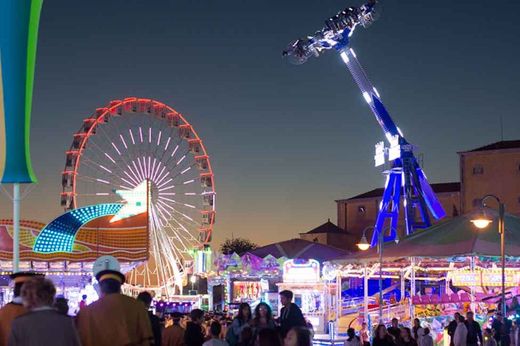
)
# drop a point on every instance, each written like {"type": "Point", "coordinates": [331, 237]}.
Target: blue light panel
{"type": "Point", "coordinates": [59, 234]}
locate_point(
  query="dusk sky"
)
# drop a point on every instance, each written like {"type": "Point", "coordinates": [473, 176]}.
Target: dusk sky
{"type": "Point", "coordinates": [285, 141]}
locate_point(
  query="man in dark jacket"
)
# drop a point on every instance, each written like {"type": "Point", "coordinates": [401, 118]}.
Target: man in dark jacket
{"type": "Point", "coordinates": [474, 331]}
{"type": "Point", "coordinates": [146, 298]}
{"type": "Point", "coordinates": [194, 336]}
{"type": "Point", "coordinates": [290, 315]}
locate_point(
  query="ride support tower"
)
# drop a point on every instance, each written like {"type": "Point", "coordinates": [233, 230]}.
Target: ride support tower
{"type": "Point", "coordinates": [406, 178]}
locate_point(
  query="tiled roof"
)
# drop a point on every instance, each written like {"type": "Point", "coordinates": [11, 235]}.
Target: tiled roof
{"type": "Point", "coordinates": [300, 248]}
{"type": "Point", "coordinates": [327, 227]}
{"type": "Point", "coordinates": [497, 146]}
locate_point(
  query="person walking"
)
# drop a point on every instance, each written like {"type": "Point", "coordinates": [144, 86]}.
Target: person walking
{"type": "Point", "coordinates": [394, 329]}
{"type": "Point", "coordinates": [382, 337]}
{"type": "Point", "coordinates": [173, 335]}
{"type": "Point", "coordinates": [194, 334]}
{"type": "Point", "coordinates": [241, 321]}
{"type": "Point", "coordinates": [42, 325]}
{"type": "Point", "coordinates": [364, 334]}
{"type": "Point", "coordinates": [489, 339]}
{"type": "Point", "coordinates": [426, 339]}
{"type": "Point", "coordinates": [352, 338]}
{"type": "Point", "coordinates": [263, 318]}
{"type": "Point", "coordinates": [298, 336]}
{"type": "Point", "coordinates": [461, 333]}
{"type": "Point", "coordinates": [290, 314]}
{"type": "Point", "coordinates": [215, 329]}
{"type": "Point", "coordinates": [418, 331]}
{"type": "Point", "coordinates": [115, 319]}
{"type": "Point", "coordinates": [15, 308]}
{"type": "Point", "coordinates": [452, 326]}
{"type": "Point", "coordinates": [474, 331]}
{"type": "Point", "coordinates": [146, 299]}
{"type": "Point", "coordinates": [405, 338]}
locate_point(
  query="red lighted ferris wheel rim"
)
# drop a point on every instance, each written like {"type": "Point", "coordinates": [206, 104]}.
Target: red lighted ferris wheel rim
{"type": "Point", "coordinates": [154, 108]}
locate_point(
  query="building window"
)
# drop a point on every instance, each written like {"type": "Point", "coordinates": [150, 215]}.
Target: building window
{"type": "Point", "coordinates": [478, 169]}
{"type": "Point", "coordinates": [361, 209]}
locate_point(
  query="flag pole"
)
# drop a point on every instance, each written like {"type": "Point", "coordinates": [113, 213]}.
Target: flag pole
{"type": "Point", "coordinates": [16, 227]}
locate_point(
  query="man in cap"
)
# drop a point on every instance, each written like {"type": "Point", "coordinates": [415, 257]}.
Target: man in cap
{"type": "Point", "coordinates": [115, 319]}
{"type": "Point", "coordinates": [15, 308]}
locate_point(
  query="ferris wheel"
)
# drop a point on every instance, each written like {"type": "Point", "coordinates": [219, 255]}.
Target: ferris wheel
{"type": "Point", "coordinates": [137, 142]}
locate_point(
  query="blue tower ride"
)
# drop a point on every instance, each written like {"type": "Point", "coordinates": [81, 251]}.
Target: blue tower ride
{"type": "Point", "coordinates": [406, 178]}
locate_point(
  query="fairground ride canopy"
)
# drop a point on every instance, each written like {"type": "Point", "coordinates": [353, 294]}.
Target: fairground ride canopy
{"type": "Point", "coordinates": [125, 239]}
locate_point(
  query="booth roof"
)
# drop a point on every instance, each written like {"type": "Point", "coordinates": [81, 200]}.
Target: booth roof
{"type": "Point", "coordinates": [300, 248]}
{"type": "Point", "coordinates": [455, 237]}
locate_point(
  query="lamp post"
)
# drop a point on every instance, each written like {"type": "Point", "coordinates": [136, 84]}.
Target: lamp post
{"type": "Point", "coordinates": [363, 245]}
{"type": "Point", "coordinates": [481, 222]}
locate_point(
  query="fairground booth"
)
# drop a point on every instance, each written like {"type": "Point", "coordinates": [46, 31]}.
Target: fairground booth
{"type": "Point", "coordinates": [431, 274]}
{"type": "Point", "coordinates": [65, 251]}
{"type": "Point", "coordinates": [259, 275]}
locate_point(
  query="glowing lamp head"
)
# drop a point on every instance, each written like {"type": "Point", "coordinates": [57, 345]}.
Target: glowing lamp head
{"type": "Point", "coordinates": [193, 279]}
{"type": "Point", "coordinates": [363, 244]}
{"type": "Point", "coordinates": [481, 222]}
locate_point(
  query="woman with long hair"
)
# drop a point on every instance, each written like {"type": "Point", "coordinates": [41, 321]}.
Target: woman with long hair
{"type": "Point", "coordinates": [382, 337]}
{"type": "Point", "coordinates": [241, 321]}
{"type": "Point", "coordinates": [263, 318]}
{"type": "Point", "coordinates": [406, 338]}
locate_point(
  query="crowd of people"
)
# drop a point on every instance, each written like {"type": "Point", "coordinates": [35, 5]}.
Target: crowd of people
{"type": "Point", "coordinates": [37, 317]}
{"type": "Point", "coordinates": [462, 331]}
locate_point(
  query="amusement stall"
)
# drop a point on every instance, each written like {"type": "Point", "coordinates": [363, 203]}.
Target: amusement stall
{"type": "Point", "coordinates": [244, 279]}
{"type": "Point", "coordinates": [316, 297]}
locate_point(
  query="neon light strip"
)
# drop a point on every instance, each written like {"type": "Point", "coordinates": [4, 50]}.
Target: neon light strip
{"type": "Point", "coordinates": [123, 140]}
{"type": "Point", "coordinates": [166, 182]}
{"type": "Point", "coordinates": [111, 159]}
{"type": "Point", "coordinates": [190, 194]}
{"type": "Point", "coordinates": [131, 136]}
{"type": "Point", "coordinates": [129, 176]}
{"type": "Point", "coordinates": [167, 143]}
{"type": "Point", "coordinates": [103, 181]}
{"type": "Point", "coordinates": [182, 159]}
{"type": "Point", "coordinates": [116, 149]}
{"type": "Point", "coordinates": [106, 169]}
{"type": "Point", "coordinates": [149, 135]}
{"type": "Point", "coordinates": [189, 205]}
{"type": "Point", "coordinates": [141, 134]}
{"type": "Point", "coordinates": [168, 194]}
{"type": "Point", "coordinates": [159, 138]}
{"type": "Point", "coordinates": [166, 188]}
{"type": "Point", "coordinates": [167, 199]}
{"type": "Point", "coordinates": [102, 193]}
{"type": "Point", "coordinates": [187, 169]}
{"type": "Point", "coordinates": [188, 182]}
{"type": "Point", "coordinates": [175, 150]}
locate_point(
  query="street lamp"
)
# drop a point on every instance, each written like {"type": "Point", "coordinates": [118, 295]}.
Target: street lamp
{"type": "Point", "coordinates": [481, 222]}
{"type": "Point", "coordinates": [363, 245]}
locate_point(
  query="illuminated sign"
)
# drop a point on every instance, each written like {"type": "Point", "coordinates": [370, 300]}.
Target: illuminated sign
{"type": "Point", "coordinates": [485, 277]}
{"type": "Point", "coordinates": [301, 271]}
{"type": "Point", "coordinates": [136, 201]}
{"type": "Point", "coordinates": [246, 291]}
{"type": "Point", "coordinates": [379, 157]}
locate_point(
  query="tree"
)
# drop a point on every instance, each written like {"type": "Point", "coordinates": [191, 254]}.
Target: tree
{"type": "Point", "coordinates": [238, 245]}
